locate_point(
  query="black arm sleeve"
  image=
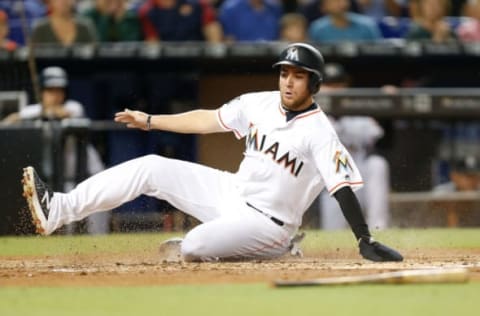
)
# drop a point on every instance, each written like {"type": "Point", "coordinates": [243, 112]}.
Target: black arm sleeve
{"type": "Point", "coordinates": [352, 211]}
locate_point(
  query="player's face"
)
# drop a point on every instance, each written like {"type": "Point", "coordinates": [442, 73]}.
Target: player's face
{"type": "Point", "coordinates": [293, 85]}
{"type": "Point", "coordinates": [52, 97]}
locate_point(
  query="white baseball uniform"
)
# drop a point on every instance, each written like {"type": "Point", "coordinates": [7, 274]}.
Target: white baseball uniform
{"type": "Point", "coordinates": [252, 213]}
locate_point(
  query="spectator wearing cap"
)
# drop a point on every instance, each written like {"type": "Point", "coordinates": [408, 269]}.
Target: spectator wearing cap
{"type": "Point", "coordinates": [339, 24]}
{"type": "Point", "coordinates": [250, 20]}
{"type": "Point", "coordinates": [179, 20]}
{"type": "Point", "coordinates": [54, 105]}
{"type": "Point", "coordinates": [5, 43]}
{"type": "Point", "coordinates": [360, 135]}
{"type": "Point", "coordinates": [62, 27]}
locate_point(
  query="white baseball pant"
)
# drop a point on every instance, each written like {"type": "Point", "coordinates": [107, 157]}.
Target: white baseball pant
{"type": "Point", "coordinates": [230, 229]}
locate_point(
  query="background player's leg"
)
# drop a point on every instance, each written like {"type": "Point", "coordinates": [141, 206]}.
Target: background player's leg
{"type": "Point", "coordinates": [245, 234]}
{"type": "Point", "coordinates": [376, 192]}
{"type": "Point", "coordinates": [193, 188]}
{"type": "Point", "coordinates": [331, 216]}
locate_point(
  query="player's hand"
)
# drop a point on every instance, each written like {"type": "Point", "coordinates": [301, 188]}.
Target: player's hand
{"type": "Point", "coordinates": [133, 119]}
{"type": "Point", "coordinates": [375, 251]}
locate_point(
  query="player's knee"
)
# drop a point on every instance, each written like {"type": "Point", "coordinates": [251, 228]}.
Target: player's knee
{"type": "Point", "coordinates": [152, 159]}
{"type": "Point", "coordinates": [152, 162]}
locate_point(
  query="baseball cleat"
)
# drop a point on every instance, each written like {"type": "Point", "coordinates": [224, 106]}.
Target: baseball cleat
{"type": "Point", "coordinates": [169, 250]}
{"type": "Point", "coordinates": [294, 247]}
{"type": "Point", "coordinates": [38, 196]}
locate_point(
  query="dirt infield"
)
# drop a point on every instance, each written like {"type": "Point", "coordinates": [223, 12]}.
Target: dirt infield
{"type": "Point", "coordinates": [139, 269]}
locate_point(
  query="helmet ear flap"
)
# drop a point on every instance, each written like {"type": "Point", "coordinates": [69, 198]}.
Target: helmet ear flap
{"type": "Point", "coordinates": [314, 82]}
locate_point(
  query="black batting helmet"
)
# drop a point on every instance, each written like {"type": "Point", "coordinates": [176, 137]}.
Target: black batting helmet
{"type": "Point", "coordinates": [307, 57]}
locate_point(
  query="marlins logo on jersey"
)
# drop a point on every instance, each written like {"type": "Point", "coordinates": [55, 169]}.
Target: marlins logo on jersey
{"type": "Point", "coordinates": [341, 160]}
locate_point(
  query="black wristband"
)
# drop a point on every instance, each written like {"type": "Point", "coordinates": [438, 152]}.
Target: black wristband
{"type": "Point", "coordinates": [149, 122]}
{"type": "Point", "coordinates": [352, 211]}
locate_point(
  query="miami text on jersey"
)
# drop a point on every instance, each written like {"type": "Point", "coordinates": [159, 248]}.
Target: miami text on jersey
{"type": "Point", "coordinates": [259, 143]}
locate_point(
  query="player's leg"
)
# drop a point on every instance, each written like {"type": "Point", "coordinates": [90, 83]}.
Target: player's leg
{"type": "Point", "coordinates": [246, 234]}
{"type": "Point", "coordinates": [193, 188]}
{"type": "Point", "coordinates": [376, 192]}
{"type": "Point", "coordinates": [331, 216]}
{"type": "Point", "coordinates": [99, 223]}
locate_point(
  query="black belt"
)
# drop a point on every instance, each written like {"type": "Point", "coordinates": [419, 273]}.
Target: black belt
{"type": "Point", "coordinates": [275, 220]}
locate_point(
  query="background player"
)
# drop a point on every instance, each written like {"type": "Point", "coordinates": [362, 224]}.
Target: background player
{"type": "Point", "coordinates": [292, 153]}
{"type": "Point", "coordinates": [359, 134]}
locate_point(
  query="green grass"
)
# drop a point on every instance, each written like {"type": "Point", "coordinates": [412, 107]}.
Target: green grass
{"type": "Point", "coordinates": [240, 299]}
{"type": "Point", "coordinates": [82, 244]}
{"type": "Point", "coordinates": [64, 245]}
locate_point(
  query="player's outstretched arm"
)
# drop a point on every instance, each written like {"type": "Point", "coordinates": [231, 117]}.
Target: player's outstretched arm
{"type": "Point", "coordinates": [192, 122]}
{"type": "Point", "coordinates": [369, 248]}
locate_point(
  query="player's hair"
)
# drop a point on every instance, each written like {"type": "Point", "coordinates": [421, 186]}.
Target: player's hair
{"type": "Point", "coordinates": [307, 57]}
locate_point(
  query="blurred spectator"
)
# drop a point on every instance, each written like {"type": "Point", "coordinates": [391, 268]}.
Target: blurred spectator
{"type": "Point", "coordinates": [379, 9]}
{"type": "Point", "coordinates": [359, 134]}
{"type": "Point", "coordinates": [54, 105]}
{"type": "Point", "coordinates": [114, 22]}
{"type": "Point", "coordinates": [16, 10]}
{"type": "Point", "coordinates": [313, 10]}
{"type": "Point", "coordinates": [341, 25]}
{"type": "Point", "coordinates": [179, 20]}
{"type": "Point", "coordinates": [414, 9]}
{"type": "Point", "coordinates": [5, 43]}
{"type": "Point", "coordinates": [31, 8]}
{"type": "Point", "coordinates": [431, 23]}
{"type": "Point", "coordinates": [250, 20]}
{"type": "Point", "coordinates": [61, 27]}
{"type": "Point", "coordinates": [464, 176]}
{"type": "Point", "coordinates": [293, 28]}
{"type": "Point", "coordinates": [469, 30]}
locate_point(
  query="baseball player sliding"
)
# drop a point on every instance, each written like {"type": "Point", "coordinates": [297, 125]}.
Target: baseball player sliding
{"type": "Point", "coordinates": [292, 153]}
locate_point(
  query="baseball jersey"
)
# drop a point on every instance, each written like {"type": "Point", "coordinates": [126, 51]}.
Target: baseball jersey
{"type": "Point", "coordinates": [286, 164]}
{"type": "Point", "coordinates": [34, 111]}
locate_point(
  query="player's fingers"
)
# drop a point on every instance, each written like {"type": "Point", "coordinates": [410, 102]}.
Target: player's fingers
{"type": "Point", "coordinates": [123, 117]}
{"type": "Point", "coordinates": [125, 113]}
